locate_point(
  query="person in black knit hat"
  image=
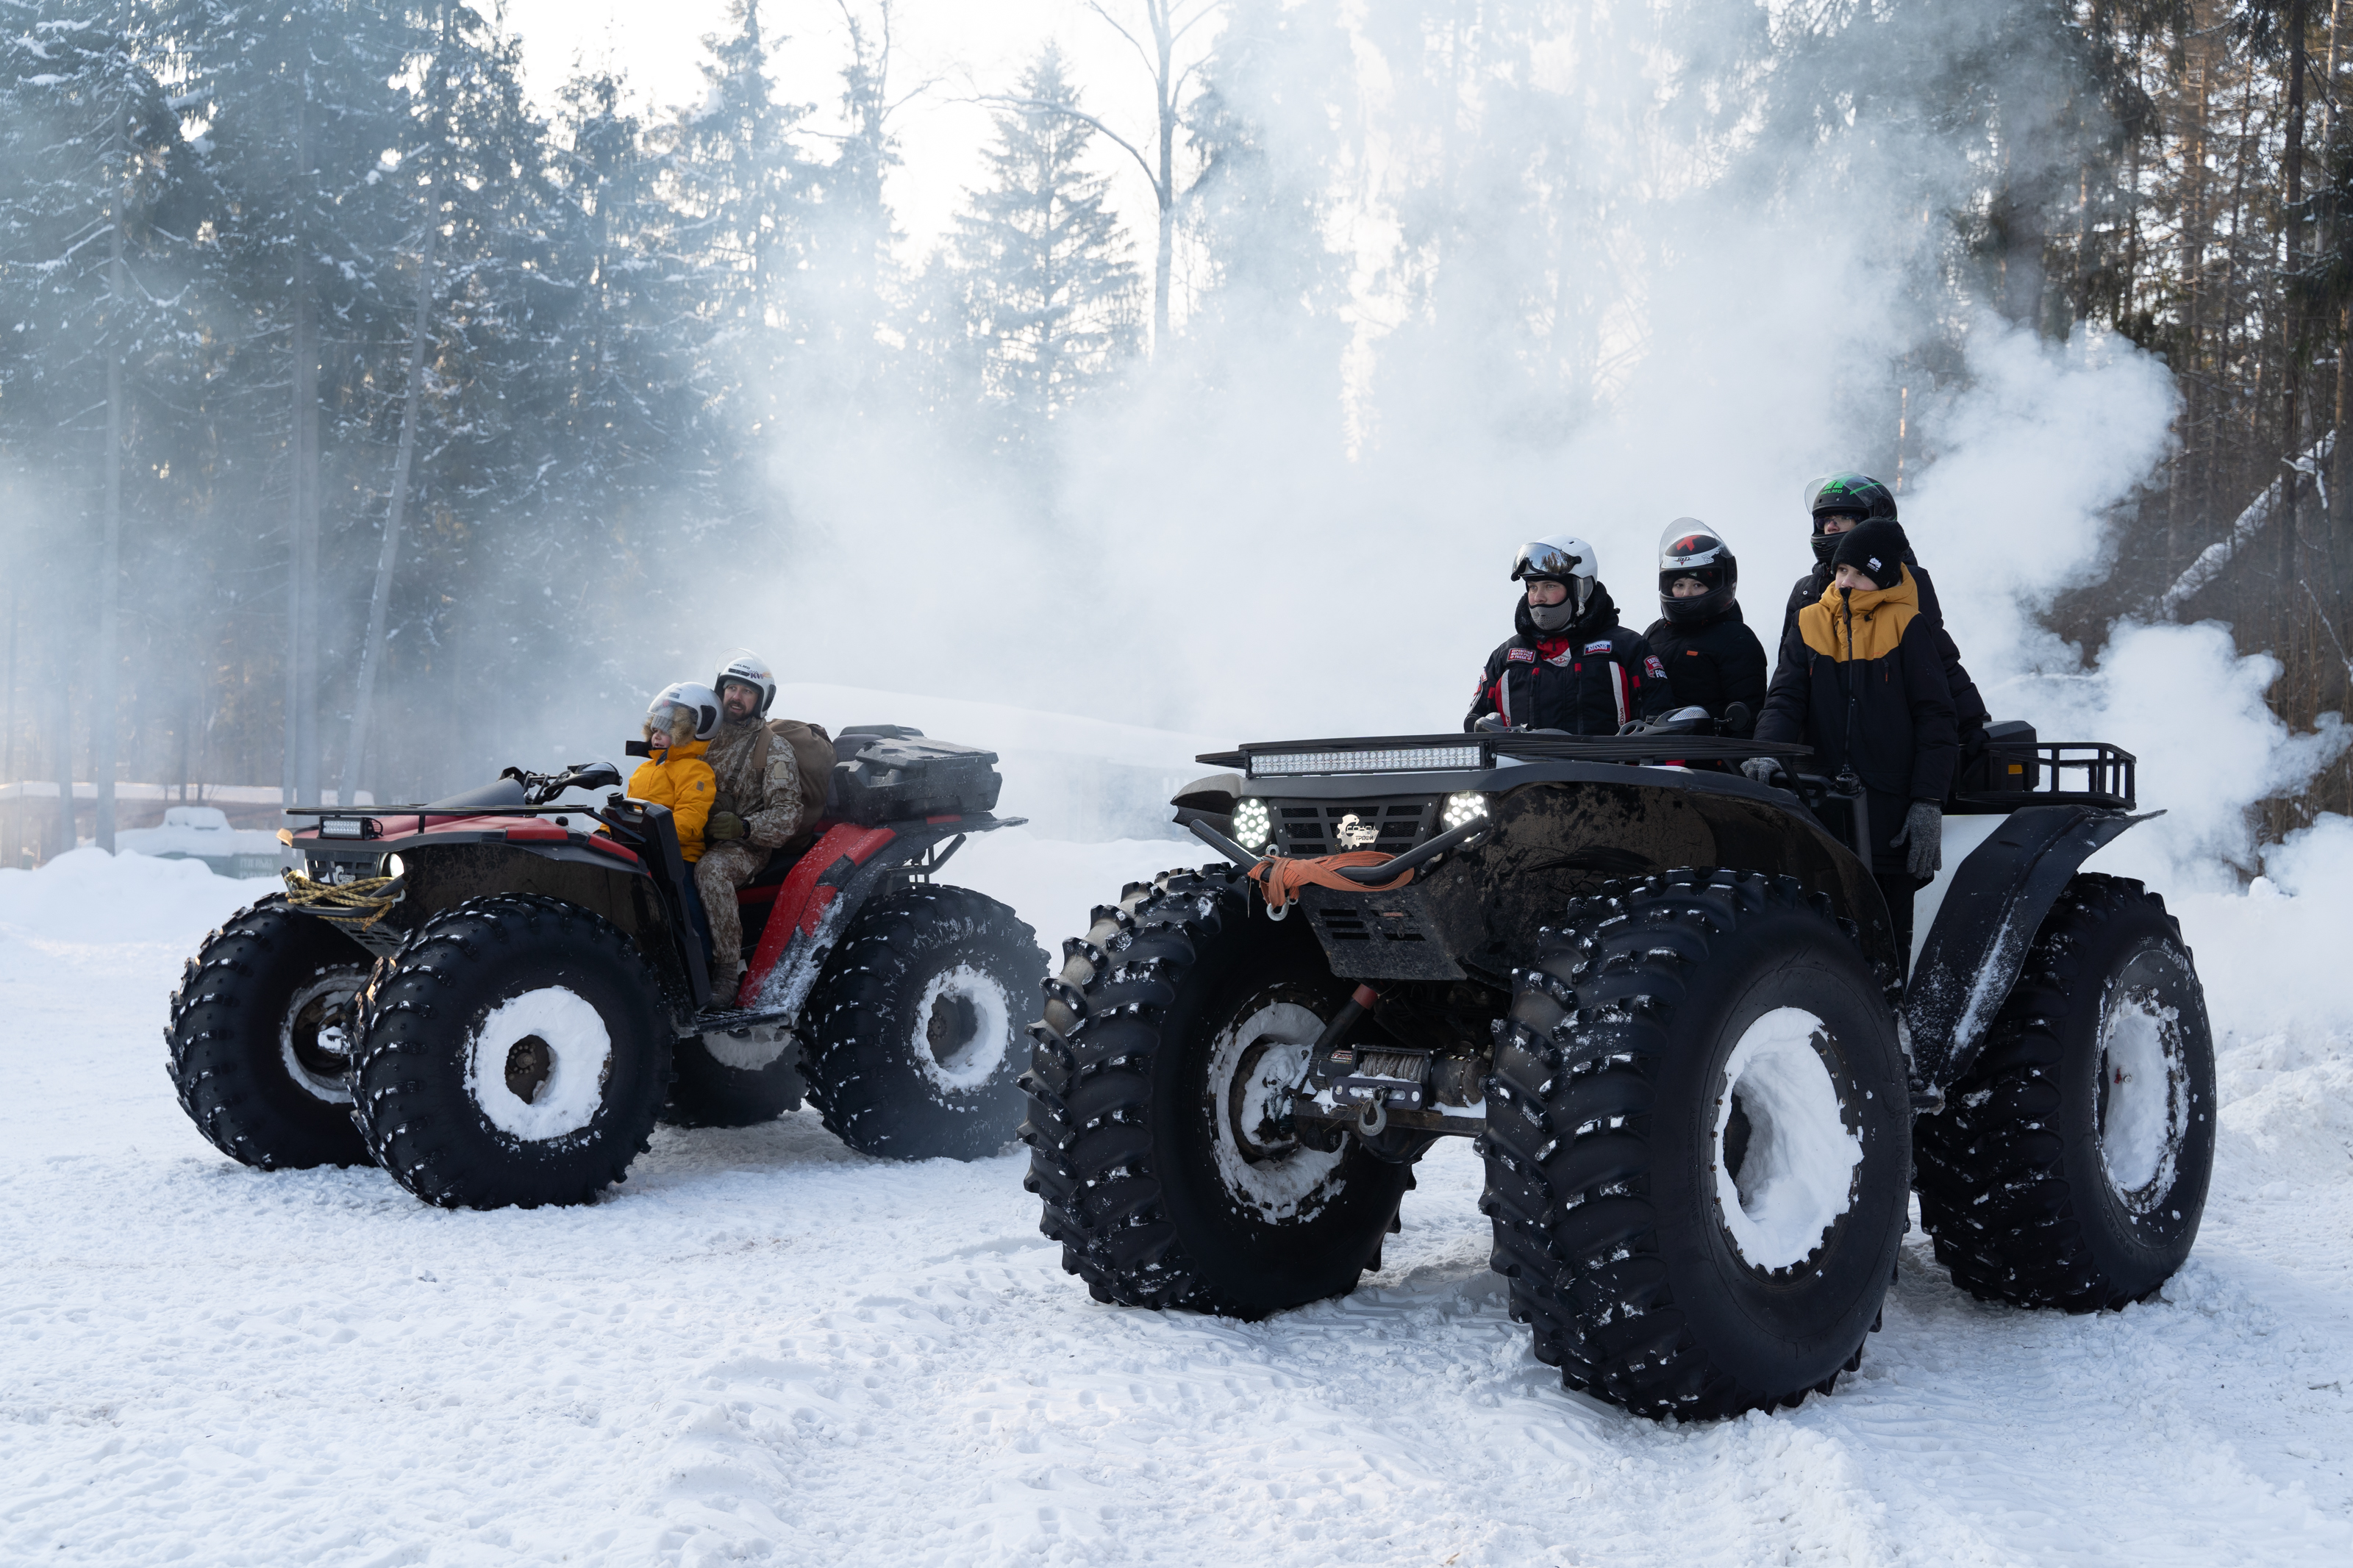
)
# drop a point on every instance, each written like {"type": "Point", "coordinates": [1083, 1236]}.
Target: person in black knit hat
{"type": "Point", "coordinates": [1862, 681]}
{"type": "Point", "coordinates": [1842, 503]}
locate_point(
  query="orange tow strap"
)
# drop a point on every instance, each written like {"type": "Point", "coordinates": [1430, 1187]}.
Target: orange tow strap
{"type": "Point", "coordinates": [1279, 877]}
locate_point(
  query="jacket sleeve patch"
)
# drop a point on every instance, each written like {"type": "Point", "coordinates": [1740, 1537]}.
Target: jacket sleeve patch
{"type": "Point", "coordinates": [1658, 671]}
{"type": "Point", "coordinates": [1601, 647]}
{"type": "Point", "coordinates": [1521, 655]}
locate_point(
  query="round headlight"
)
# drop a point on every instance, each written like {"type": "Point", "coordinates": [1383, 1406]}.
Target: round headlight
{"type": "Point", "coordinates": [1463, 808]}
{"type": "Point", "coordinates": [394, 867]}
{"type": "Point", "coordinates": [1253, 824]}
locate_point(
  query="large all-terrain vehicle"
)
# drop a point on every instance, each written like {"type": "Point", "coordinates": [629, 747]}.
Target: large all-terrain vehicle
{"type": "Point", "coordinates": [1667, 1003]}
{"type": "Point", "coordinates": [496, 995]}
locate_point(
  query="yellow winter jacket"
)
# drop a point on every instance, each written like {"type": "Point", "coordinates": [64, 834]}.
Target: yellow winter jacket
{"type": "Point", "coordinates": [681, 780]}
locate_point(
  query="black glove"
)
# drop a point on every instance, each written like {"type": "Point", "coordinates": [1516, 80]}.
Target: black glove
{"type": "Point", "coordinates": [1924, 834]}
{"type": "Point", "coordinates": [1761, 769]}
{"type": "Point", "coordinates": [1492, 724]}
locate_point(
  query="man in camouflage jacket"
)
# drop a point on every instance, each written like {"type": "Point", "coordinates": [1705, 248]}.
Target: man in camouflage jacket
{"type": "Point", "coordinates": [758, 807]}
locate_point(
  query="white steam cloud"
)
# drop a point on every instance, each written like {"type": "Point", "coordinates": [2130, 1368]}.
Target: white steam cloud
{"type": "Point", "coordinates": [1575, 301]}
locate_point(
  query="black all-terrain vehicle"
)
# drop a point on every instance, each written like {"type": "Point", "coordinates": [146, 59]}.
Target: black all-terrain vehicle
{"type": "Point", "coordinates": [496, 995]}
{"type": "Point", "coordinates": [1667, 1003]}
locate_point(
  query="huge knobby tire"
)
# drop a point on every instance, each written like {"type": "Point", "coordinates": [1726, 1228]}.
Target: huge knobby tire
{"type": "Point", "coordinates": [721, 1080]}
{"type": "Point", "coordinates": [512, 1052]}
{"type": "Point", "coordinates": [256, 1039]}
{"type": "Point", "coordinates": [1171, 1039]}
{"type": "Point", "coordinates": [915, 1023]}
{"type": "Point", "coordinates": [2069, 1167]}
{"type": "Point", "coordinates": [1697, 1145]}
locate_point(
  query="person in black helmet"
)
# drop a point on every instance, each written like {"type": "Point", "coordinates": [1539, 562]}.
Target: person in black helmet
{"type": "Point", "coordinates": [1570, 667]}
{"type": "Point", "coordinates": [1713, 659]}
{"type": "Point", "coordinates": [1840, 503]}
{"type": "Point", "coordinates": [1863, 682]}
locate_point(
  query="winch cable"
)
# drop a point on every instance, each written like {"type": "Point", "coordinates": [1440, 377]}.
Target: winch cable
{"type": "Point", "coordinates": [356, 905]}
{"type": "Point", "coordinates": [1279, 877]}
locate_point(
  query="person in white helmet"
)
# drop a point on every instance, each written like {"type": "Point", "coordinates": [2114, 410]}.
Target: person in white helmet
{"type": "Point", "coordinates": [761, 804]}
{"type": "Point", "coordinates": [1569, 666]}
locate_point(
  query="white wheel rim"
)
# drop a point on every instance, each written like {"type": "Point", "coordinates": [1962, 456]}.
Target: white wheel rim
{"type": "Point", "coordinates": [965, 1002]}
{"type": "Point", "coordinates": [1275, 1042]}
{"type": "Point", "coordinates": [334, 1089]}
{"type": "Point", "coordinates": [2144, 1078]}
{"type": "Point", "coordinates": [579, 1049]}
{"type": "Point", "coordinates": [1796, 1176]}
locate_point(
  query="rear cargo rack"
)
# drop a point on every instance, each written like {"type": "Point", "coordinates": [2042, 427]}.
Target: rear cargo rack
{"type": "Point", "coordinates": [2036, 772]}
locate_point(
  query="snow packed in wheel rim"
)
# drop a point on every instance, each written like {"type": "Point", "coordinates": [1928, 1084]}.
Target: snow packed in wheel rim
{"type": "Point", "coordinates": [1795, 1177]}
{"type": "Point", "coordinates": [569, 1089]}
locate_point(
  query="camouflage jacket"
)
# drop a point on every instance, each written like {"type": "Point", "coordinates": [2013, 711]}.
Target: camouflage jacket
{"type": "Point", "coordinates": [758, 781]}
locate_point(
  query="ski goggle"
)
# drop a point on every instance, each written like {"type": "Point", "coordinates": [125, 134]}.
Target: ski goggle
{"type": "Point", "coordinates": [1542, 559]}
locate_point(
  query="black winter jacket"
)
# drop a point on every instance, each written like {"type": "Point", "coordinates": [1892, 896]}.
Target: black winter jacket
{"type": "Point", "coordinates": [1862, 681]}
{"type": "Point", "coordinates": [1968, 707]}
{"type": "Point", "coordinates": [1711, 665]}
{"type": "Point", "coordinates": [1586, 680]}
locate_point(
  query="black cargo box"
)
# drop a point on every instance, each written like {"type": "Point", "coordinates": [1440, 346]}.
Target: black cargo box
{"type": "Point", "coordinates": [890, 773]}
{"type": "Point", "coordinates": [2007, 765]}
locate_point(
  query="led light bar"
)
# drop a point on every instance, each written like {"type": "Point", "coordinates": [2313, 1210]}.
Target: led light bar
{"type": "Point", "coordinates": [1400, 760]}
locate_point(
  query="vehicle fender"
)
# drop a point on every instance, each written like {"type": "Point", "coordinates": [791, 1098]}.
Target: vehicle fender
{"type": "Point", "coordinates": [825, 889]}
{"type": "Point", "coordinates": [1976, 948]}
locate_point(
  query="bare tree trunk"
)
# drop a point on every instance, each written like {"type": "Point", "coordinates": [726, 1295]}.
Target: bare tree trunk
{"type": "Point", "coordinates": [61, 698]}
{"type": "Point", "coordinates": [301, 775]}
{"type": "Point", "coordinates": [1164, 89]}
{"type": "Point", "coordinates": [2338, 528]}
{"type": "Point", "coordinates": [9, 748]}
{"type": "Point", "coordinates": [110, 554]}
{"type": "Point", "coordinates": [2202, 53]}
{"type": "Point", "coordinates": [2289, 611]}
{"type": "Point", "coordinates": [380, 598]}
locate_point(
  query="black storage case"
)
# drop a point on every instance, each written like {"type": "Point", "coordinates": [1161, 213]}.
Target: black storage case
{"type": "Point", "coordinates": [888, 773]}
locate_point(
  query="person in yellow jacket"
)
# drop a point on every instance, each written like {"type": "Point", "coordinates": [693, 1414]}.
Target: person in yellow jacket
{"type": "Point", "coordinates": [680, 722]}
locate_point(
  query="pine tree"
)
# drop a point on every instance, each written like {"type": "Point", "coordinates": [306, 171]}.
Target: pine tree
{"type": "Point", "coordinates": [738, 180]}
{"type": "Point", "coordinates": [98, 193]}
{"type": "Point", "coordinates": [305, 124]}
{"type": "Point", "coordinates": [1050, 288]}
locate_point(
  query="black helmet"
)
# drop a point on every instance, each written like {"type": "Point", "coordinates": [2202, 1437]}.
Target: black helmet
{"type": "Point", "coordinates": [1690, 548]}
{"type": "Point", "coordinates": [1847, 494]}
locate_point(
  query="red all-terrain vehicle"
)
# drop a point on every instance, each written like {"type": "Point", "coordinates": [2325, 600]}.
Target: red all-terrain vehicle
{"type": "Point", "coordinates": [495, 996]}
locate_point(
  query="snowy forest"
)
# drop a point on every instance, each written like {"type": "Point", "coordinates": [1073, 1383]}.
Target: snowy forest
{"type": "Point", "coordinates": [357, 416]}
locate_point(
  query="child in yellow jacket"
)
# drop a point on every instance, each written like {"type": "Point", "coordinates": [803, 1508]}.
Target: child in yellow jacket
{"type": "Point", "coordinates": [679, 725]}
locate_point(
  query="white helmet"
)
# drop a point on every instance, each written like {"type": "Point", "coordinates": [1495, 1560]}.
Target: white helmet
{"type": "Point", "coordinates": [1562, 558]}
{"type": "Point", "coordinates": [742, 664]}
{"type": "Point", "coordinates": [699, 700]}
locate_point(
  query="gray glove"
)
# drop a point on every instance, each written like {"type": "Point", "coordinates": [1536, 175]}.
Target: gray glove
{"type": "Point", "coordinates": [1924, 832]}
{"type": "Point", "coordinates": [1761, 769]}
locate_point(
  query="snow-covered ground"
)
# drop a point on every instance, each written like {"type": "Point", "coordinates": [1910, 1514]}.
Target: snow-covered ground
{"type": "Point", "coordinates": [764, 1348]}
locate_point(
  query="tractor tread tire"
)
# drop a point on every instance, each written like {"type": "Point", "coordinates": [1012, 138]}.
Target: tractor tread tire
{"type": "Point", "coordinates": [1570, 1147]}
{"type": "Point", "coordinates": [1095, 1162]}
{"type": "Point", "coordinates": [1990, 1168]}
{"type": "Point", "coordinates": [226, 1079]}
{"type": "Point", "coordinates": [866, 1094]}
{"type": "Point", "coordinates": [418, 1126]}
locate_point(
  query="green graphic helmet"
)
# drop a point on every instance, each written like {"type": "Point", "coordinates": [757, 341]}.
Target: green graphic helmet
{"type": "Point", "coordinates": [1847, 494]}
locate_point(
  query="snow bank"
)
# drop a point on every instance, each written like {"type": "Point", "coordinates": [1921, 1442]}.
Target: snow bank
{"type": "Point", "coordinates": [89, 896]}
